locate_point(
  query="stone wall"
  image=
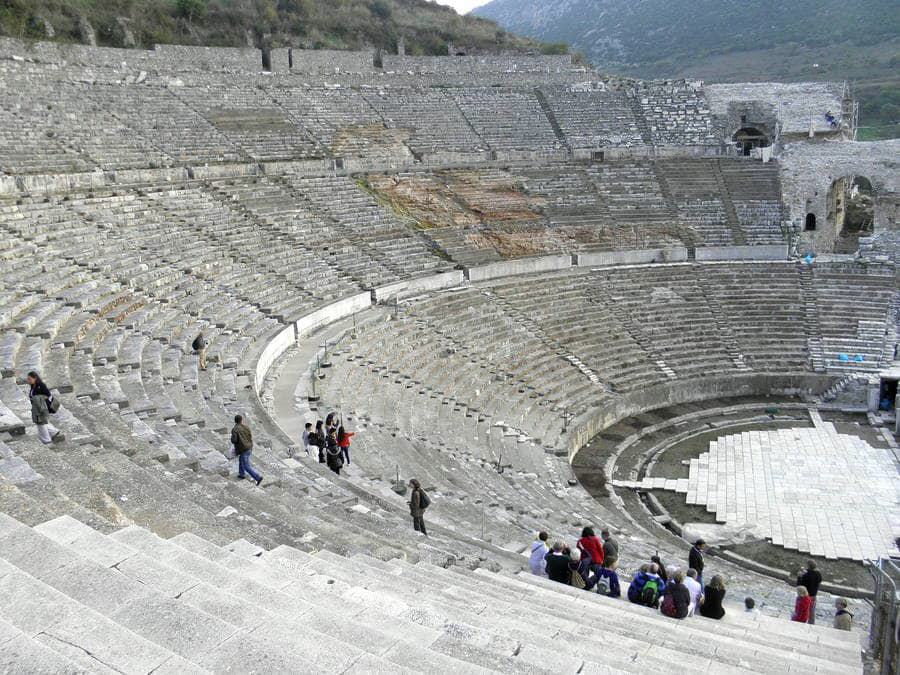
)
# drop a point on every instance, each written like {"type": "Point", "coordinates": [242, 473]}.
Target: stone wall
{"type": "Point", "coordinates": [322, 61]}
{"type": "Point", "coordinates": [181, 57]}
{"type": "Point", "coordinates": [808, 171]}
{"type": "Point", "coordinates": [797, 105]}
{"type": "Point", "coordinates": [701, 389]}
{"type": "Point", "coordinates": [477, 64]}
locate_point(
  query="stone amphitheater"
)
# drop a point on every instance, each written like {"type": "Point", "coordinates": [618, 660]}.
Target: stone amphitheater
{"type": "Point", "coordinates": [515, 279]}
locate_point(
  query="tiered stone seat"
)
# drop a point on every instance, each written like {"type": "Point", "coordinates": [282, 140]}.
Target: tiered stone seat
{"type": "Point", "coordinates": [507, 119]}
{"type": "Point", "coordinates": [851, 303]}
{"type": "Point", "coordinates": [250, 118]}
{"type": "Point", "coordinates": [356, 216]}
{"type": "Point", "coordinates": [753, 188]}
{"type": "Point", "coordinates": [342, 120]}
{"type": "Point", "coordinates": [112, 601]}
{"type": "Point", "coordinates": [594, 118]}
{"type": "Point", "coordinates": [432, 117]}
{"type": "Point", "coordinates": [639, 215]}
{"type": "Point", "coordinates": [763, 304]}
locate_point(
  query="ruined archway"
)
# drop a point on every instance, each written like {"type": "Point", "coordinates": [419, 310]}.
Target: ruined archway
{"type": "Point", "coordinates": [851, 211]}
{"type": "Point", "coordinates": [748, 138]}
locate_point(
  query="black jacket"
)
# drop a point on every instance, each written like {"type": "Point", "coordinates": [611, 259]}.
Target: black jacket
{"type": "Point", "coordinates": [559, 567]}
{"type": "Point", "coordinates": [812, 579]}
{"type": "Point", "coordinates": [695, 560]}
{"type": "Point", "coordinates": [712, 603]}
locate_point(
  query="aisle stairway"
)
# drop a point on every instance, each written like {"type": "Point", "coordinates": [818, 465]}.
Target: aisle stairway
{"type": "Point", "coordinates": [76, 600]}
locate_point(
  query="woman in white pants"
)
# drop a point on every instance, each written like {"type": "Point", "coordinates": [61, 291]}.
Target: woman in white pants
{"type": "Point", "coordinates": [41, 400]}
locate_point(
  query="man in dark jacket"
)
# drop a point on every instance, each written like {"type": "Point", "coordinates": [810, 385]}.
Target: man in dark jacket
{"type": "Point", "coordinates": [812, 579]}
{"type": "Point", "coordinates": [695, 559]}
{"type": "Point", "coordinates": [242, 440]}
{"type": "Point", "coordinates": [559, 564]}
{"type": "Point", "coordinates": [418, 502]}
{"type": "Point", "coordinates": [610, 550]}
{"type": "Point", "coordinates": [199, 345]}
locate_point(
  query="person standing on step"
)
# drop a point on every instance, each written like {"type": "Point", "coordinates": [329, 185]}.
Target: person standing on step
{"type": "Point", "coordinates": [242, 440]}
{"type": "Point", "coordinates": [199, 345]}
{"type": "Point", "coordinates": [610, 550]}
{"type": "Point", "coordinates": [343, 440]}
{"type": "Point", "coordinates": [42, 406]}
{"type": "Point", "coordinates": [318, 440]}
{"type": "Point", "coordinates": [307, 436]}
{"type": "Point", "coordinates": [418, 502]}
{"type": "Point", "coordinates": [537, 562]}
{"type": "Point", "coordinates": [695, 559]}
{"type": "Point", "coordinates": [713, 599]}
{"type": "Point", "coordinates": [331, 422]}
{"type": "Point", "coordinates": [333, 455]}
{"type": "Point", "coordinates": [812, 579]}
{"type": "Point", "coordinates": [802, 606]}
{"type": "Point", "coordinates": [843, 619]}
{"type": "Point", "coordinates": [660, 568]}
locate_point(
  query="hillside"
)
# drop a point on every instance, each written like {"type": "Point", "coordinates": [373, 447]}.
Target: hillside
{"type": "Point", "coordinates": [730, 40]}
{"type": "Point", "coordinates": [335, 24]}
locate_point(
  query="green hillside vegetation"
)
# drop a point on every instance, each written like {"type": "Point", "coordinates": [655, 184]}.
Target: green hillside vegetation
{"type": "Point", "coordinates": [318, 24]}
{"type": "Point", "coordinates": [731, 41]}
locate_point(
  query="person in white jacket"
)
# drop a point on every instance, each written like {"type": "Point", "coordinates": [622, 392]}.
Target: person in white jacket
{"type": "Point", "coordinates": [537, 559]}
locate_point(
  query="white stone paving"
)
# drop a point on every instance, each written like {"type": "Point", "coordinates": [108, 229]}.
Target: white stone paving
{"type": "Point", "coordinates": [813, 490]}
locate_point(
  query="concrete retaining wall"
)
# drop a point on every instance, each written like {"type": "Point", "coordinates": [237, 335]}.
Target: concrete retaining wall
{"type": "Point", "coordinates": [773, 252]}
{"type": "Point", "coordinates": [650, 255]}
{"type": "Point", "coordinates": [278, 346]}
{"type": "Point", "coordinates": [333, 312]}
{"type": "Point", "coordinates": [522, 266]}
{"type": "Point", "coordinates": [434, 282]}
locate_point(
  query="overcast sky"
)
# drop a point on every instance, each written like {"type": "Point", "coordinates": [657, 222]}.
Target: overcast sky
{"type": "Point", "coordinates": [463, 6]}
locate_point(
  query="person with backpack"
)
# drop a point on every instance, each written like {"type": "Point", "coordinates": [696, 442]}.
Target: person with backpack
{"type": "Point", "coordinates": [43, 404]}
{"type": "Point", "coordinates": [199, 345]}
{"type": "Point", "coordinates": [676, 598]}
{"type": "Point", "coordinates": [418, 502]}
{"type": "Point", "coordinates": [343, 441]}
{"type": "Point", "coordinates": [242, 440]}
{"type": "Point", "coordinates": [333, 456]}
{"type": "Point", "coordinates": [646, 587]}
{"type": "Point", "coordinates": [317, 439]}
{"type": "Point", "coordinates": [812, 579]}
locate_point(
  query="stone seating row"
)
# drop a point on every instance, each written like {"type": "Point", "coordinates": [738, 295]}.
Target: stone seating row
{"type": "Point", "coordinates": [110, 599]}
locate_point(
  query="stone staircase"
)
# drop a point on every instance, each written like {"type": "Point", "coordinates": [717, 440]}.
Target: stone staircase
{"type": "Point", "coordinates": [733, 221]}
{"type": "Point", "coordinates": [76, 600]}
{"type": "Point", "coordinates": [811, 320]}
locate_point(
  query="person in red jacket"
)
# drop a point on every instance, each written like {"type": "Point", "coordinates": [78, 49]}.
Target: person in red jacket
{"type": "Point", "coordinates": [803, 606]}
{"type": "Point", "coordinates": [591, 557]}
{"type": "Point", "coordinates": [343, 439]}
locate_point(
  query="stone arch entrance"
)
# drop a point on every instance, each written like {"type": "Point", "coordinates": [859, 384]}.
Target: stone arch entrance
{"type": "Point", "coordinates": [851, 211]}
{"type": "Point", "coordinates": [810, 224]}
{"type": "Point", "coordinates": [748, 138]}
